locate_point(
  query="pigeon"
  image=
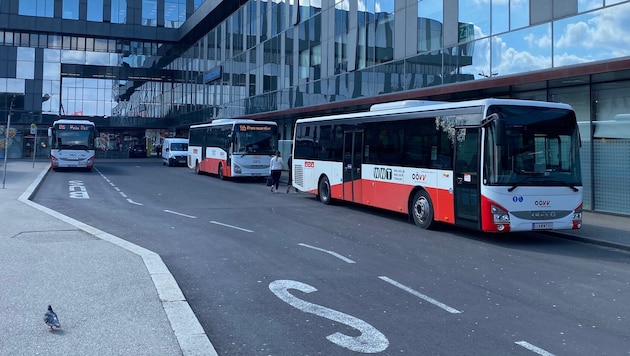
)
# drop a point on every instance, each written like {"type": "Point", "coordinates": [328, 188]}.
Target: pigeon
{"type": "Point", "coordinates": [51, 319]}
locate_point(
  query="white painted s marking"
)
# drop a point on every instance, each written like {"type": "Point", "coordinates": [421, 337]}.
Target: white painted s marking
{"type": "Point", "coordinates": [370, 341]}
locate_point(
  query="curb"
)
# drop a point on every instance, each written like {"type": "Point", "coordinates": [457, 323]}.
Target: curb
{"type": "Point", "coordinates": [188, 331]}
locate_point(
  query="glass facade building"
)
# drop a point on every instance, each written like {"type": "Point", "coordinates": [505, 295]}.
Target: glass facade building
{"type": "Point", "coordinates": [145, 69]}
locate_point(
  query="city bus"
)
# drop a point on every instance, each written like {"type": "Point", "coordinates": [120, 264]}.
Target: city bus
{"type": "Point", "coordinates": [493, 165]}
{"type": "Point", "coordinates": [230, 148]}
{"type": "Point", "coordinates": [72, 144]}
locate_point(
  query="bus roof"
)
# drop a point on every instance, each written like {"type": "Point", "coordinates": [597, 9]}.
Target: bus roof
{"type": "Point", "coordinates": [233, 122]}
{"type": "Point", "coordinates": [410, 106]}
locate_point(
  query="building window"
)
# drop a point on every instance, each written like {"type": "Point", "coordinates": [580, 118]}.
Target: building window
{"type": "Point", "coordinates": [70, 9]}
{"type": "Point", "coordinates": [174, 13]}
{"type": "Point", "coordinates": [95, 10]}
{"type": "Point", "coordinates": [149, 13]}
{"type": "Point", "coordinates": [119, 11]}
{"type": "Point", "coordinates": [40, 8]}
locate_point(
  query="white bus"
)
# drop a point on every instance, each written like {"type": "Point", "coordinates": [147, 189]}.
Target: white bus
{"type": "Point", "coordinates": [494, 165]}
{"type": "Point", "coordinates": [232, 148]}
{"type": "Point", "coordinates": [72, 144]}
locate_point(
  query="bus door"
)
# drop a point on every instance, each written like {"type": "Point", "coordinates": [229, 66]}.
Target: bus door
{"type": "Point", "coordinates": [466, 179]}
{"type": "Point", "coordinates": [352, 160]}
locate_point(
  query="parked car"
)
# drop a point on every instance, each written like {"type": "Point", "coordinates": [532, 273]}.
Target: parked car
{"type": "Point", "coordinates": [137, 151]}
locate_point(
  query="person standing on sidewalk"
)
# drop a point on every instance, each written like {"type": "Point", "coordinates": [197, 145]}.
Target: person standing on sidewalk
{"type": "Point", "coordinates": [275, 168]}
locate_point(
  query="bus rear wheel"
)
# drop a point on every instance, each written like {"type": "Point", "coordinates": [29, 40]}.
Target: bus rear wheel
{"type": "Point", "coordinates": [197, 170]}
{"type": "Point", "coordinates": [422, 209]}
{"type": "Point", "coordinates": [324, 191]}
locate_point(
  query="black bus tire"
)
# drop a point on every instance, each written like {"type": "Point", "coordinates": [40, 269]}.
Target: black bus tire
{"type": "Point", "coordinates": [324, 191]}
{"type": "Point", "coordinates": [422, 209]}
{"type": "Point", "coordinates": [220, 172]}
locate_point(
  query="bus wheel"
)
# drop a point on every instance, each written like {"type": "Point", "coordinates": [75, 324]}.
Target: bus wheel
{"type": "Point", "coordinates": [422, 209]}
{"type": "Point", "coordinates": [324, 191]}
{"type": "Point", "coordinates": [220, 172]}
{"type": "Point", "coordinates": [197, 170]}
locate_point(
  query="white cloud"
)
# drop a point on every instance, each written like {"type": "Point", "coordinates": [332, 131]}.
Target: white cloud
{"type": "Point", "coordinates": [605, 30]}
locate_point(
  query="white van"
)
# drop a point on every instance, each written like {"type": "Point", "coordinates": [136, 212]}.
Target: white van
{"type": "Point", "coordinates": [175, 151]}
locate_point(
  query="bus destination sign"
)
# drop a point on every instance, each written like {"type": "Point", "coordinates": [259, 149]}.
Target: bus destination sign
{"type": "Point", "coordinates": [244, 128]}
{"type": "Point", "coordinates": [73, 127]}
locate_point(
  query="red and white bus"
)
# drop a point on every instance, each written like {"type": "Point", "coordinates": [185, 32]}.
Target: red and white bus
{"type": "Point", "coordinates": [495, 165]}
{"type": "Point", "coordinates": [232, 148]}
{"type": "Point", "coordinates": [72, 144]}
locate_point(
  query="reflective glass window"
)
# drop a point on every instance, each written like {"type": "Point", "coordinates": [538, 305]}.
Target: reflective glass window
{"type": "Point", "coordinates": [25, 65]}
{"type": "Point", "coordinates": [466, 61]}
{"type": "Point", "coordinates": [278, 23]}
{"type": "Point", "coordinates": [500, 16]}
{"type": "Point", "coordinates": [149, 13]}
{"type": "Point", "coordinates": [587, 37]}
{"type": "Point", "coordinates": [585, 5]}
{"type": "Point", "coordinates": [430, 17]}
{"type": "Point", "coordinates": [385, 33]}
{"type": "Point", "coordinates": [519, 14]}
{"type": "Point", "coordinates": [474, 20]}
{"type": "Point", "coordinates": [95, 10]}
{"type": "Point", "coordinates": [174, 13]}
{"type": "Point", "coordinates": [521, 51]}
{"type": "Point", "coordinates": [70, 9]}
{"type": "Point", "coordinates": [41, 8]}
{"type": "Point", "coordinates": [119, 11]}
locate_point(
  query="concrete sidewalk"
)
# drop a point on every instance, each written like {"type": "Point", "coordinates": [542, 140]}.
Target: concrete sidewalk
{"type": "Point", "coordinates": [112, 297]}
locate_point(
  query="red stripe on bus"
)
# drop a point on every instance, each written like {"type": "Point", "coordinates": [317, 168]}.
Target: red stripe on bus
{"type": "Point", "coordinates": [394, 197]}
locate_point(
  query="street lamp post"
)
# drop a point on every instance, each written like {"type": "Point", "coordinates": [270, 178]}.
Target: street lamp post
{"type": "Point", "coordinates": [6, 142]}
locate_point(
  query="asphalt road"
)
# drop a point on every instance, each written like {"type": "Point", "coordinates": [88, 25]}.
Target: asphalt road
{"type": "Point", "coordinates": [282, 274]}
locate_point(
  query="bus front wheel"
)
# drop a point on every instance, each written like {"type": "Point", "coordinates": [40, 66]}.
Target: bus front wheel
{"type": "Point", "coordinates": [197, 170]}
{"type": "Point", "coordinates": [422, 209]}
{"type": "Point", "coordinates": [220, 172]}
{"type": "Point", "coordinates": [324, 191]}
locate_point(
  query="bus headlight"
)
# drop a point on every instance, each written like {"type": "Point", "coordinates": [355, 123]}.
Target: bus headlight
{"type": "Point", "coordinates": [237, 169]}
{"type": "Point", "coordinates": [499, 216]}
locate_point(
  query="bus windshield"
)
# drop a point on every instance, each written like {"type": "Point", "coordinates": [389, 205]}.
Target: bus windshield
{"type": "Point", "coordinates": [73, 136]}
{"type": "Point", "coordinates": [255, 139]}
{"type": "Point", "coordinates": [541, 148]}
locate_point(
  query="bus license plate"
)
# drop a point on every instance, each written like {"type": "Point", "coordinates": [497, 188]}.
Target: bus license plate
{"type": "Point", "coordinates": [542, 226]}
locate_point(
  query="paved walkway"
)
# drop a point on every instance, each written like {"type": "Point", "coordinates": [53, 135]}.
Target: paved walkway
{"type": "Point", "coordinates": [112, 297]}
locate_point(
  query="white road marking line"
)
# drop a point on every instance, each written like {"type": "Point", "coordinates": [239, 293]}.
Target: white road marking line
{"type": "Point", "coordinates": [231, 226]}
{"type": "Point", "coordinates": [123, 194]}
{"type": "Point", "coordinates": [117, 189]}
{"type": "Point", "coordinates": [420, 295]}
{"type": "Point", "coordinates": [345, 259]}
{"type": "Point", "coordinates": [180, 214]}
{"type": "Point", "coordinates": [534, 349]}
{"type": "Point", "coordinates": [133, 202]}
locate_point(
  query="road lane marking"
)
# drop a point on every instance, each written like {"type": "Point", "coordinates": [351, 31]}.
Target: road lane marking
{"type": "Point", "coordinates": [345, 259]}
{"type": "Point", "coordinates": [420, 295]}
{"type": "Point", "coordinates": [133, 202]}
{"type": "Point", "coordinates": [370, 341]}
{"type": "Point", "coordinates": [180, 214]}
{"type": "Point", "coordinates": [231, 226]}
{"type": "Point", "coordinates": [534, 349]}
